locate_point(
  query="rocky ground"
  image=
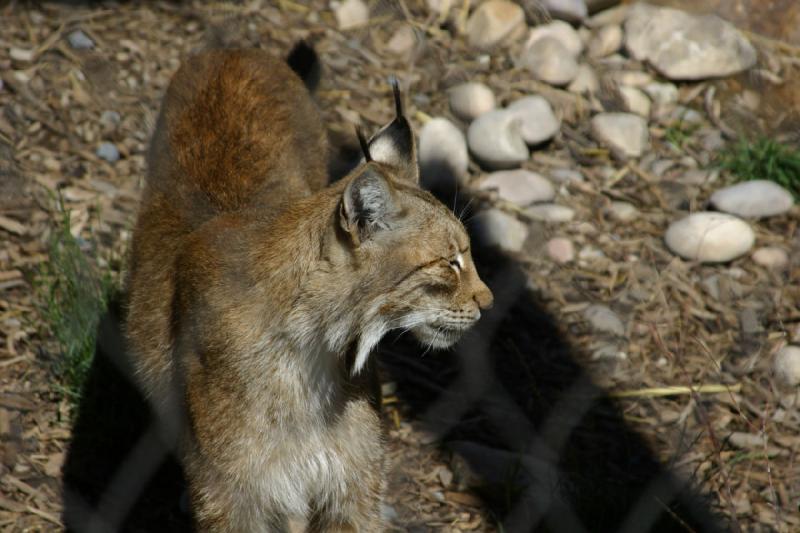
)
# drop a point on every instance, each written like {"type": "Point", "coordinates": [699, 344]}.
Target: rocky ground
{"type": "Point", "coordinates": [645, 312]}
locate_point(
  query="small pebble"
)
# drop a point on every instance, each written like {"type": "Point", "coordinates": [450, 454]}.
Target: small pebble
{"type": "Point", "coordinates": [79, 40]}
{"type": "Point", "coordinates": [351, 14]}
{"type": "Point", "coordinates": [635, 101]}
{"type": "Point", "coordinates": [709, 237]}
{"type": "Point", "coordinates": [560, 250]}
{"type": "Point", "coordinates": [20, 54]}
{"type": "Point", "coordinates": [521, 187]}
{"type": "Point", "coordinates": [497, 228]}
{"type": "Point", "coordinates": [560, 31]}
{"type": "Point", "coordinates": [771, 257]}
{"type": "Point", "coordinates": [566, 175]}
{"type": "Point", "coordinates": [496, 140]}
{"type": "Point", "coordinates": [787, 365]}
{"type": "Point", "coordinates": [625, 133]}
{"type": "Point", "coordinates": [549, 61]}
{"type": "Point", "coordinates": [494, 22]}
{"type": "Point", "coordinates": [753, 199]}
{"type": "Point", "coordinates": [606, 41]}
{"type": "Point", "coordinates": [553, 213]}
{"type": "Point", "coordinates": [110, 118]}
{"type": "Point", "coordinates": [108, 151]}
{"type": "Point", "coordinates": [623, 211]}
{"type": "Point", "coordinates": [470, 100]}
{"type": "Point", "coordinates": [604, 320]}
{"type": "Point", "coordinates": [402, 41]}
{"type": "Point", "coordinates": [538, 123]}
{"type": "Point", "coordinates": [662, 94]}
{"type": "Point", "coordinates": [585, 81]}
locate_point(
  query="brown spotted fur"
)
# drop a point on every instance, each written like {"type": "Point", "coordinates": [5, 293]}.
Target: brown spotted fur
{"type": "Point", "coordinates": [253, 287]}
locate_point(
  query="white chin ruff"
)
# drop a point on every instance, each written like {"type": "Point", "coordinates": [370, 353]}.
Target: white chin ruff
{"type": "Point", "coordinates": [437, 337]}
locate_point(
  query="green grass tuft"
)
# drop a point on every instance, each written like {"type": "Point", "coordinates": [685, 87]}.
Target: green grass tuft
{"type": "Point", "coordinates": [764, 159]}
{"type": "Point", "coordinates": [72, 295]}
{"type": "Point", "coordinates": [679, 133]}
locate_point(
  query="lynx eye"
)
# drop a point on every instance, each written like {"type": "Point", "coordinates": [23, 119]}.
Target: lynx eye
{"type": "Point", "coordinates": [458, 263]}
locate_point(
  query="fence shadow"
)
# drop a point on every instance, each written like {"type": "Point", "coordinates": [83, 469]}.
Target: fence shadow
{"type": "Point", "coordinates": [553, 451]}
{"type": "Point", "coordinates": [119, 475]}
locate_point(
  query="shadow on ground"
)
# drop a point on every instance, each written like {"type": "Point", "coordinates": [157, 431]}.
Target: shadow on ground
{"type": "Point", "coordinates": [553, 453]}
{"type": "Point", "coordinates": [119, 474]}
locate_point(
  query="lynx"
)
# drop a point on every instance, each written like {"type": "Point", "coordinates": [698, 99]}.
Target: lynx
{"type": "Point", "coordinates": [257, 292]}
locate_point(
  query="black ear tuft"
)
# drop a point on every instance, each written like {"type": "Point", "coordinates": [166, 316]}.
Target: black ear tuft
{"type": "Point", "coordinates": [368, 204]}
{"type": "Point", "coordinates": [394, 144]}
{"type": "Point", "coordinates": [364, 145]}
{"type": "Point", "coordinates": [303, 60]}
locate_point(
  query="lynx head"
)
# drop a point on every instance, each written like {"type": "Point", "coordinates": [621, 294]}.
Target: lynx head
{"type": "Point", "coordinates": [417, 269]}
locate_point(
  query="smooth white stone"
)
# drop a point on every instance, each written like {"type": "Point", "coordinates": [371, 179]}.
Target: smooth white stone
{"type": "Point", "coordinates": [495, 140]}
{"type": "Point", "coordinates": [351, 14]}
{"type": "Point", "coordinates": [560, 250]}
{"type": "Point", "coordinates": [470, 100]}
{"type": "Point", "coordinates": [442, 152]}
{"type": "Point", "coordinates": [493, 23]}
{"type": "Point", "coordinates": [606, 41]}
{"type": "Point", "coordinates": [624, 133]}
{"type": "Point", "coordinates": [604, 320]}
{"type": "Point", "coordinates": [520, 186]}
{"type": "Point", "coordinates": [552, 213]}
{"type": "Point", "coordinates": [787, 365]}
{"type": "Point", "coordinates": [549, 61]}
{"type": "Point", "coordinates": [635, 101]}
{"type": "Point", "coordinates": [538, 123]}
{"type": "Point", "coordinates": [771, 257]}
{"type": "Point", "coordinates": [709, 237]}
{"type": "Point", "coordinates": [585, 81]}
{"type": "Point", "coordinates": [561, 32]}
{"type": "Point", "coordinates": [497, 228]}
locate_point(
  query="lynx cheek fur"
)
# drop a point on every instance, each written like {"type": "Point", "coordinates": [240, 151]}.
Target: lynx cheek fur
{"type": "Point", "coordinates": [257, 294]}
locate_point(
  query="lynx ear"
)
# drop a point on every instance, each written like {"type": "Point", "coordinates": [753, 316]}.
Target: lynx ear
{"type": "Point", "coordinates": [367, 205]}
{"type": "Point", "coordinates": [394, 144]}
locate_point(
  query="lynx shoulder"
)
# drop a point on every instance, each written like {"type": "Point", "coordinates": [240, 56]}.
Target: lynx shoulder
{"type": "Point", "coordinates": [257, 294]}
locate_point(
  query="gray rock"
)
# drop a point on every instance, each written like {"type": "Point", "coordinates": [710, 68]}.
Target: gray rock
{"type": "Point", "coordinates": [569, 10]}
{"type": "Point", "coordinates": [560, 250]}
{"type": "Point", "coordinates": [442, 152]}
{"type": "Point", "coordinates": [635, 101]}
{"type": "Point", "coordinates": [79, 40]}
{"type": "Point", "coordinates": [537, 121]}
{"type": "Point", "coordinates": [351, 14]}
{"type": "Point", "coordinates": [493, 23]}
{"type": "Point", "coordinates": [753, 199]}
{"type": "Point", "coordinates": [686, 47]}
{"type": "Point", "coordinates": [709, 237]}
{"type": "Point", "coordinates": [520, 186]}
{"type": "Point", "coordinates": [771, 257]}
{"type": "Point", "coordinates": [110, 119]}
{"type": "Point", "coordinates": [604, 320]}
{"type": "Point", "coordinates": [561, 32]}
{"type": "Point", "coordinates": [496, 141]}
{"type": "Point", "coordinates": [585, 81]}
{"type": "Point", "coordinates": [470, 100]}
{"type": "Point", "coordinates": [787, 365]}
{"type": "Point", "coordinates": [606, 41]}
{"type": "Point", "coordinates": [108, 151]}
{"type": "Point", "coordinates": [498, 228]}
{"type": "Point", "coordinates": [552, 213]}
{"type": "Point", "coordinates": [549, 61]}
{"type": "Point", "coordinates": [712, 141]}
{"type": "Point", "coordinates": [624, 133]}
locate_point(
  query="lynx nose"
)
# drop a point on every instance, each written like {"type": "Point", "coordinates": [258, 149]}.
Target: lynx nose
{"type": "Point", "coordinates": [483, 297]}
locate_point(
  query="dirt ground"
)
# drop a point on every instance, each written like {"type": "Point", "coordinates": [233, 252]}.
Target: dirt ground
{"type": "Point", "coordinates": [519, 428]}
